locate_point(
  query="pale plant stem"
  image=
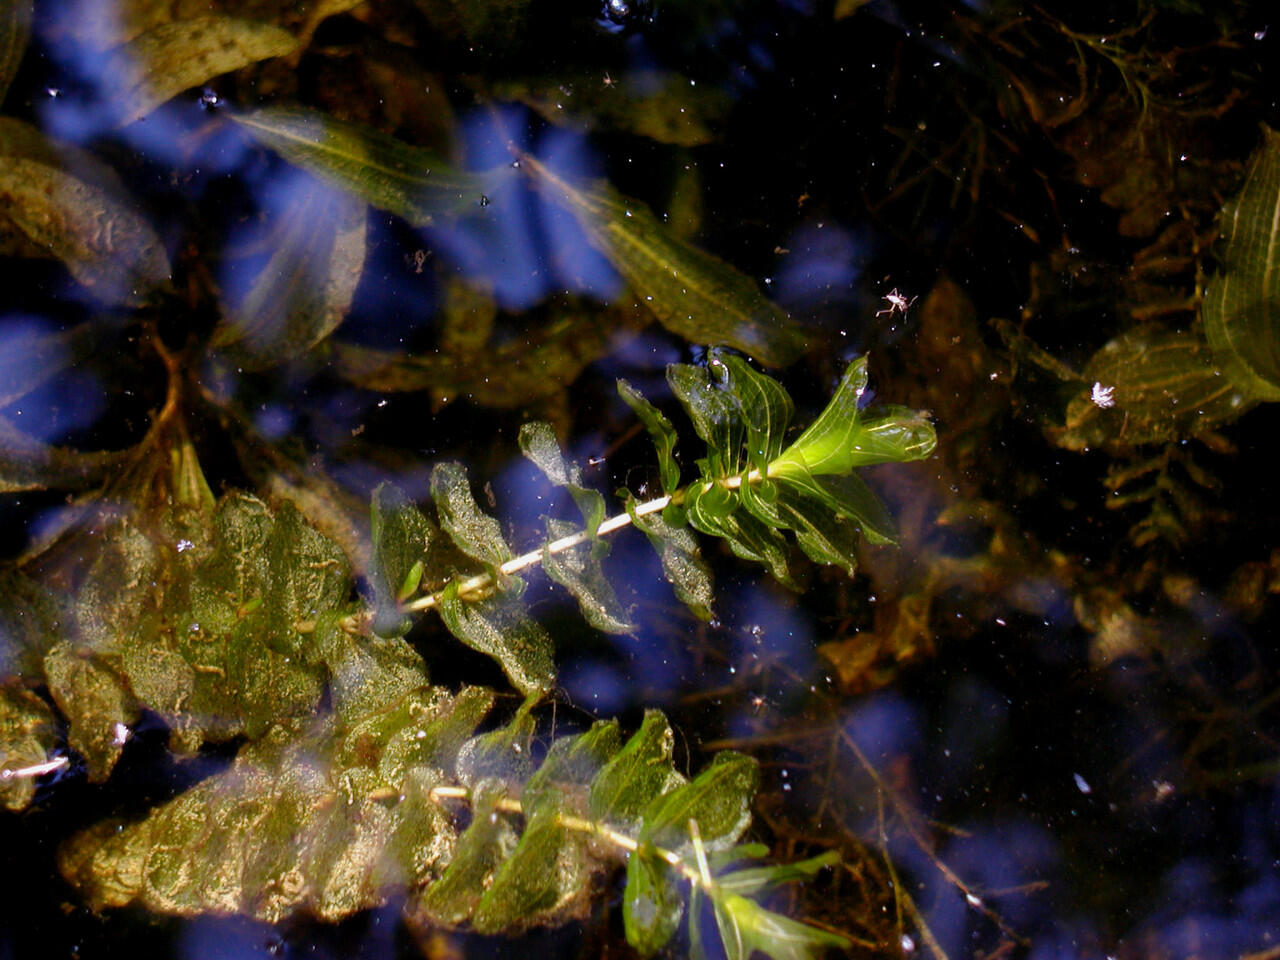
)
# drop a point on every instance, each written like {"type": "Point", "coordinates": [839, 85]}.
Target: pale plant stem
{"type": "Point", "coordinates": [483, 581]}
{"type": "Point", "coordinates": [700, 878]}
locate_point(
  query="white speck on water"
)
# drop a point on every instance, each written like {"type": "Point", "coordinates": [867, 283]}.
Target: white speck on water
{"type": "Point", "coordinates": [184, 545]}
{"type": "Point", "coordinates": [1081, 784]}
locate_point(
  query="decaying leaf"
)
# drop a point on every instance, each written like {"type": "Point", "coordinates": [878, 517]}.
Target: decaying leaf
{"type": "Point", "coordinates": [387, 173]}
{"type": "Point", "coordinates": [167, 59]}
{"type": "Point", "coordinates": [1150, 385]}
{"type": "Point", "coordinates": [72, 205]}
{"type": "Point", "coordinates": [692, 293]}
{"type": "Point", "coordinates": [1242, 303]}
{"type": "Point", "coordinates": [303, 292]}
{"type": "Point", "coordinates": [27, 736]}
{"type": "Point", "coordinates": [15, 31]}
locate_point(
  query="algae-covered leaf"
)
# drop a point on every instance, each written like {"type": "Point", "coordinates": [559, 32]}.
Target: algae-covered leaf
{"type": "Point", "coordinates": [503, 754]}
{"type": "Point", "coordinates": [100, 709]}
{"type": "Point", "coordinates": [1242, 303]}
{"type": "Point", "coordinates": [538, 444]}
{"type": "Point", "coordinates": [387, 173]}
{"type": "Point", "coordinates": [753, 881]}
{"type": "Point", "coordinates": [31, 618]}
{"type": "Point", "coordinates": [70, 204]}
{"type": "Point", "coordinates": [681, 557]}
{"type": "Point", "coordinates": [1155, 386]}
{"type": "Point", "coordinates": [402, 537]}
{"type": "Point", "coordinates": [640, 771]}
{"type": "Point", "coordinates": [303, 292]}
{"type": "Point", "coordinates": [167, 59]}
{"type": "Point", "coordinates": [844, 437]}
{"type": "Point", "coordinates": [692, 293]}
{"type": "Point", "coordinates": [579, 570]}
{"type": "Point", "coordinates": [473, 531]}
{"type": "Point", "coordinates": [661, 432]}
{"type": "Point", "coordinates": [15, 31]}
{"type": "Point", "coordinates": [297, 824]}
{"type": "Point", "coordinates": [652, 903]}
{"type": "Point", "coordinates": [545, 880]}
{"type": "Point", "coordinates": [498, 627]}
{"type": "Point", "coordinates": [487, 842]}
{"type": "Point", "coordinates": [27, 735]}
{"type": "Point", "coordinates": [571, 763]}
{"type": "Point", "coordinates": [718, 800]}
{"type": "Point", "coordinates": [514, 373]}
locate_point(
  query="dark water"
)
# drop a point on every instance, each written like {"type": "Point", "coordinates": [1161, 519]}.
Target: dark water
{"type": "Point", "coordinates": [1044, 724]}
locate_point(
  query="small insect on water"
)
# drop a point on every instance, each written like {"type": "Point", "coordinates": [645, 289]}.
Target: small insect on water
{"type": "Point", "coordinates": [898, 303]}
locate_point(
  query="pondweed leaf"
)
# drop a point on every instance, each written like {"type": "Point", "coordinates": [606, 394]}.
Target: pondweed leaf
{"type": "Point", "coordinates": [402, 538]}
{"type": "Point", "coordinates": [167, 59]}
{"type": "Point", "coordinates": [72, 205]}
{"type": "Point", "coordinates": [718, 800]}
{"type": "Point", "coordinates": [499, 627]}
{"type": "Point", "coordinates": [411, 182]}
{"type": "Point", "coordinates": [1242, 303]}
{"type": "Point", "coordinates": [746, 927]}
{"type": "Point", "coordinates": [692, 293]}
{"type": "Point", "coordinates": [661, 432]}
{"type": "Point", "coordinates": [844, 438]}
{"type": "Point", "coordinates": [571, 762]}
{"type": "Point", "coordinates": [652, 903]}
{"type": "Point", "coordinates": [580, 570]}
{"type": "Point", "coordinates": [681, 557]}
{"type": "Point", "coordinates": [639, 772]}
{"type": "Point", "coordinates": [305, 289]}
{"type": "Point", "coordinates": [475, 533]}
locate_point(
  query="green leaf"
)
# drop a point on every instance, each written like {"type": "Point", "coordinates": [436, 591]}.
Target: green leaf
{"type": "Point", "coordinates": [652, 903]}
{"type": "Point", "coordinates": [387, 173]}
{"type": "Point", "coordinates": [754, 881]}
{"type": "Point", "coordinates": [579, 570]}
{"type": "Point", "coordinates": [483, 847]}
{"type": "Point", "coordinates": [843, 437]}
{"type": "Point", "coordinates": [28, 733]}
{"type": "Point", "coordinates": [763, 406]}
{"type": "Point", "coordinates": [366, 674]}
{"type": "Point", "coordinates": [402, 537]}
{"type": "Point", "coordinates": [682, 562]}
{"type": "Point", "coordinates": [1242, 303]}
{"type": "Point", "coordinates": [70, 204]}
{"type": "Point", "coordinates": [570, 762]}
{"type": "Point", "coordinates": [692, 293]}
{"type": "Point", "coordinates": [746, 927]}
{"type": "Point", "coordinates": [1162, 386]}
{"type": "Point", "coordinates": [502, 754]}
{"type": "Point", "coordinates": [176, 56]}
{"type": "Point", "coordinates": [302, 294]}
{"type": "Point", "coordinates": [712, 509]}
{"type": "Point", "coordinates": [498, 627]}
{"type": "Point", "coordinates": [718, 799]}
{"type": "Point", "coordinates": [715, 415]}
{"type": "Point", "coordinates": [639, 772]}
{"type": "Point", "coordinates": [546, 879]}
{"type": "Point", "coordinates": [846, 496]}
{"type": "Point", "coordinates": [538, 444]}
{"type": "Point", "coordinates": [473, 531]}
{"type": "Point", "coordinates": [15, 31]}
{"type": "Point", "coordinates": [661, 432]}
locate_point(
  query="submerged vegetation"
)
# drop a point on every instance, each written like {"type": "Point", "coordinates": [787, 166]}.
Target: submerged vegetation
{"type": "Point", "coordinates": [288, 628]}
